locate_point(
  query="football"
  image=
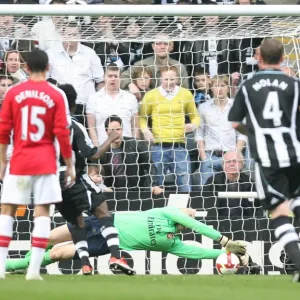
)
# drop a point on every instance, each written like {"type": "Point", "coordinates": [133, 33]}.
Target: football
{"type": "Point", "coordinates": [227, 264]}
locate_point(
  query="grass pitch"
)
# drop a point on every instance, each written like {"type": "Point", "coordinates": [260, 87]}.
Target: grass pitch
{"type": "Point", "coordinates": [161, 287]}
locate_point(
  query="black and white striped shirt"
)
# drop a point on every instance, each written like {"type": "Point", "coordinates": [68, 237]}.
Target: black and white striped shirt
{"type": "Point", "coordinates": [82, 147]}
{"type": "Point", "coordinates": [270, 102]}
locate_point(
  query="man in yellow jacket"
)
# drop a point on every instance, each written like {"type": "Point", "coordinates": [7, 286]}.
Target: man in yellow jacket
{"type": "Point", "coordinates": [168, 106]}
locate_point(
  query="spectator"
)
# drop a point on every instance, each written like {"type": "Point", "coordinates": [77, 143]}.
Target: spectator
{"type": "Point", "coordinates": [5, 83]}
{"type": "Point", "coordinates": [232, 179]}
{"type": "Point", "coordinates": [168, 105]}
{"type": "Point", "coordinates": [76, 64]}
{"type": "Point", "coordinates": [128, 164]}
{"type": "Point", "coordinates": [142, 78]}
{"type": "Point", "coordinates": [201, 88]}
{"type": "Point", "coordinates": [112, 100]}
{"type": "Point", "coordinates": [14, 65]}
{"type": "Point", "coordinates": [162, 47]}
{"type": "Point", "coordinates": [46, 33]}
{"type": "Point", "coordinates": [215, 134]}
{"type": "Point", "coordinates": [134, 51]}
{"type": "Point", "coordinates": [95, 175]}
{"type": "Point", "coordinates": [102, 27]}
{"type": "Point", "coordinates": [14, 36]}
{"type": "Point", "coordinates": [212, 55]}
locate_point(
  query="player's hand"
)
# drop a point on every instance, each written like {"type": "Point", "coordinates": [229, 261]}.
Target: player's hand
{"type": "Point", "coordinates": [113, 136]}
{"type": "Point", "coordinates": [232, 246]}
{"type": "Point", "coordinates": [70, 177]}
{"type": "Point", "coordinates": [156, 190]}
{"type": "Point", "coordinates": [3, 167]}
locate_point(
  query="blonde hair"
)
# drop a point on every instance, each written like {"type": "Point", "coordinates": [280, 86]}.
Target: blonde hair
{"type": "Point", "coordinates": [167, 69]}
{"type": "Point", "coordinates": [220, 78]}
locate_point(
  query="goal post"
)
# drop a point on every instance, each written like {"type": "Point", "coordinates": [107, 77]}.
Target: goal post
{"type": "Point", "coordinates": [281, 22]}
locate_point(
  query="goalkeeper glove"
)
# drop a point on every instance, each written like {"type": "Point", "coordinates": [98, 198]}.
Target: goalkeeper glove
{"type": "Point", "coordinates": [232, 246]}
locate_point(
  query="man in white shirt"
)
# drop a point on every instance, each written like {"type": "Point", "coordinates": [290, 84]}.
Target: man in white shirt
{"type": "Point", "coordinates": [46, 32]}
{"type": "Point", "coordinates": [111, 100]}
{"type": "Point", "coordinates": [76, 64]}
{"type": "Point", "coordinates": [215, 134]}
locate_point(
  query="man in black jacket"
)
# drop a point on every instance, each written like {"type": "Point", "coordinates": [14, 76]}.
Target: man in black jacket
{"type": "Point", "coordinates": [232, 180]}
{"type": "Point", "coordinates": [127, 165]}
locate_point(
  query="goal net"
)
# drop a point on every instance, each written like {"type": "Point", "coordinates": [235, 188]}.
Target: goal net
{"type": "Point", "coordinates": [202, 42]}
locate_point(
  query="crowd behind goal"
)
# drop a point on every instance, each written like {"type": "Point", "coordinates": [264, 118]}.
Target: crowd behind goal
{"type": "Point", "coordinates": [168, 99]}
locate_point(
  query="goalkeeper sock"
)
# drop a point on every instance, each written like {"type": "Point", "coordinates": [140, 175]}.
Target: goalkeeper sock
{"type": "Point", "coordinates": [40, 240]}
{"type": "Point", "coordinates": [17, 264]}
{"type": "Point", "coordinates": [6, 232]}
{"type": "Point", "coordinates": [110, 233]}
{"type": "Point", "coordinates": [287, 236]}
{"type": "Point", "coordinates": [47, 259]}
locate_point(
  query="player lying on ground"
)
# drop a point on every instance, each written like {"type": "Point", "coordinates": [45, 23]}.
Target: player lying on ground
{"type": "Point", "coordinates": [84, 195]}
{"type": "Point", "coordinates": [152, 230]}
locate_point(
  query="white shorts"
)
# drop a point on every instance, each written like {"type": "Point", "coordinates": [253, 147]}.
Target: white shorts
{"type": "Point", "coordinates": [19, 189]}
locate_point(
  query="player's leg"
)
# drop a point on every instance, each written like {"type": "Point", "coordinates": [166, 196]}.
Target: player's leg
{"type": "Point", "coordinates": [46, 190]}
{"type": "Point", "coordinates": [40, 240]}
{"type": "Point", "coordinates": [74, 203]}
{"type": "Point", "coordinates": [59, 235]}
{"type": "Point", "coordinates": [16, 190]}
{"type": "Point", "coordinates": [273, 187]}
{"type": "Point", "coordinates": [109, 232]}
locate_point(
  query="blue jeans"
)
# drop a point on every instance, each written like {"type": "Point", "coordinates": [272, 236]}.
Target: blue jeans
{"type": "Point", "coordinates": [177, 161]}
{"type": "Point", "coordinates": [210, 166]}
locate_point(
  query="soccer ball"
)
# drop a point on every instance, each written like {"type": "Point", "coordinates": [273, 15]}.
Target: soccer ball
{"type": "Point", "coordinates": [227, 264]}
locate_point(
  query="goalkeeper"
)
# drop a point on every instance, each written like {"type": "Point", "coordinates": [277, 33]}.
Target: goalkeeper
{"type": "Point", "coordinates": [153, 230]}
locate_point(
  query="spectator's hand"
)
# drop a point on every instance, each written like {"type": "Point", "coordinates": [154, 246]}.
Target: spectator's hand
{"type": "Point", "coordinates": [3, 167]}
{"type": "Point", "coordinates": [133, 89]}
{"type": "Point", "coordinates": [203, 156]}
{"type": "Point", "coordinates": [70, 177]}
{"type": "Point", "coordinates": [148, 135]}
{"type": "Point", "coordinates": [190, 127]}
{"type": "Point", "coordinates": [156, 190]}
{"type": "Point", "coordinates": [235, 78]}
{"type": "Point", "coordinates": [113, 136]}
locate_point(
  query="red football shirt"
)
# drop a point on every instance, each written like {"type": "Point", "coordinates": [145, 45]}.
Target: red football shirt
{"type": "Point", "coordinates": [37, 112]}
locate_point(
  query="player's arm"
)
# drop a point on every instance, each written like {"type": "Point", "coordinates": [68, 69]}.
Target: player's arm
{"type": "Point", "coordinates": [62, 122]}
{"type": "Point", "coordinates": [194, 252]}
{"type": "Point", "coordinates": [238, 111]}
{"type": "Point", "coordinates": [6, 126]}
{"type": "Point", "coordinates": [179, 217]}
{"type": "Point", "coordinates": [85, 144]}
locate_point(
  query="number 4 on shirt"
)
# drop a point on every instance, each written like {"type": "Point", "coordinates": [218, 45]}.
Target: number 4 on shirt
{"type": "Point", "coordinates": [272, 109]}
{"type": "Point", "coordinates": [33, 119]}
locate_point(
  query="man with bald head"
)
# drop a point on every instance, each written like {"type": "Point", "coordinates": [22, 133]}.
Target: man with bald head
{"type": "Point", "coordinates": [232, 179]}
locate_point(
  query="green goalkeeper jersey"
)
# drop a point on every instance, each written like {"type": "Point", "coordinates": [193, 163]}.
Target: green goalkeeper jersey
{"type": "Point", "coordinates": [155, 230]}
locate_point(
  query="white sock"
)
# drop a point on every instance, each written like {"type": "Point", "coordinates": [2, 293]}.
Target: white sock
{"type": "Point", "coordinates": [40, 239]}
{"type": "Point", "coordinates": [6, 232]}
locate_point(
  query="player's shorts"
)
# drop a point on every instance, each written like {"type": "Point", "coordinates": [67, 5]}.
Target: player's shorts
{"type": "Point", "coordinates": [97, 245]}
{"type": "Point", "coordinates": [18, 189]}
{"type": "Point", "coordinates": [78, 199]}
{"type": "Point", "coordinates": [274, 186]}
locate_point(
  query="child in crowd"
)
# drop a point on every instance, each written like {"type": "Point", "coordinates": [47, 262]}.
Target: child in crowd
{"type": "Point", "coordinates": [201, 87]}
